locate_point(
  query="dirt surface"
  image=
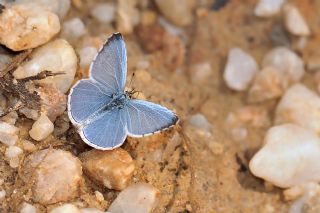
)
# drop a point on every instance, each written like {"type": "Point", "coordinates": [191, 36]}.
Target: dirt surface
{"type": "Point", "coordinates": [198, 173]}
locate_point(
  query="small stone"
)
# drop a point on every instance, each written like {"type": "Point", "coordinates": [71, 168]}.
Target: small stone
{"type": "Point", "coordinates": [41, 128]}
{"type": "Point", "coordinates": [26, 26]}
{"type": "Point", "coordinates": [66, 208]}
{"type": "Point", "coordinates": [27, 208]}
{"type": "Point", "coordinates": [239, 70]}
{"type": "Point", "coordinates": [56, 175]}
{"type": "Point", "coordinates": [99, 196]}
{"type": "Point", "coordinates": [294, 21]}
{"type": "Point", "coordinates": [2, 194]}
{"type": "Point", "coordinates": [179, 14]}
{"type": "Point", "coordinates": [87, 55]}
{"type": "Point", "coordinates": [199, 73]}
{"type": "Point", "coordinates": [200, 121]}
{"type": "Point", "coordinates": [268, 8]}
{"type": "Point", "coordinates": [8, 133]}
{"type": "Point", "coordinates": [91, 210]}
{"type": "Point", "coordinates": [216, 148]}
{"type": "Point", "coordinates": [137, 198]}
{"type": "Point", "coordinates": [112, 168]}
{"type": "Point", "coordinates": [55, 56]}
{"type": "Point", "coordinates": [301, 106]}
{"type": "Point", "coordinates": [289, 157]}
{"type": "Point", "coordinates": [268, 84]}
{"type": "Point", "coordinates": [104, 12]}
{"type": "Point", "coordinates": [73, 28]}
{"type": "Point", "coordinates": [148, 17]}
{"type": "Point", "coordinates": [29, 113]}
{"type": "Point", "coordinates": [287, 62]}
{"type": "Point", "coordinates": [126, 15]}
{"type": "Point", "coordinates": [13, 151]}
{"type": "Point", "coordinates": [59, 7]}
{"type": "Point", "coordinates": [10, 118]}
{"type": "Point", "coordinates": [53, 102]}
{"type": "Point", "coordinates": [28, 146]}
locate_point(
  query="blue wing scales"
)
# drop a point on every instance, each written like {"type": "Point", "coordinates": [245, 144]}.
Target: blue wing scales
{"type": "Point", "coordinates": [109, 68]}
{"type": "Point", "coordinates": [144, 118]}
{"type": "Point", "coordinates": [85, 98]}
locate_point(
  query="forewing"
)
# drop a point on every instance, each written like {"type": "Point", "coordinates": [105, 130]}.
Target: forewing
{"type": "Point", "coordinates": [144, 118]}
{"type": "Point", "coordinates": [85, 98]}
{"type": "Point", "coordinates": [107, 132]}
{"type": "Point", "coordinates": [109, 67]}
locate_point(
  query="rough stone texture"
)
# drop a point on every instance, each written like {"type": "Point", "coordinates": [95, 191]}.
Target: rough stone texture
{"type": "Point", "coordinates": [25, 26]}
{"type": "Point", "coordinates": [41, 128]}
{"type": "Point", "coordinates": [55, 56]}
{"type": "Point", "coordinates": [137, 198]}
{"type": "Point", "coordinates": [301, 106]}
{"type": "Point", "coordinates": [113, 169]}
{"type": "Point", "coordinates": [281, 160]}
{"type": "Point", "coordinates": [55, 175]}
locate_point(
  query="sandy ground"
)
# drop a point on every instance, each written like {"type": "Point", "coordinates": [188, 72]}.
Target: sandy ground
{"type": "Point", "coordinates": [196, 176]}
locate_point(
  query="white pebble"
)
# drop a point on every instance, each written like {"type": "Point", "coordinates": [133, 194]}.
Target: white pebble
{"type": "Point", "coordinates": [59, 7]}
{"type": "Point", "coordinates": [87, 54]}
{"type": "Point", "coordinates": [66, 208]}
{"type": "Point", "coordinates": [289, 157]}
{"type": "Point", "coordinates": [285, 61]}
{"type": "Point", "coordinates": [104, 12]}
{"type": "Point", "coordinates": [99, 196]}
{"type": "Point", "coordinates": [10, 118]}
{"type": "Point", "coordinates": [268, 8]}
{"type": "Point", "coordinates": [294, 21]}
{"type": "Point", "coordinates": [137, 198]}
{"type": "Point", "coordinates": [2, 194]}
{"type": "Point", "coordinates": [27, 208]}
{"type": "Point", "coordinates": [41, 128]}
{"type": "Point", "coordinates": [239, 70]}
{"type": "Point", "coordinates": [200, 121]}
{"type": "Point", "coordinates": [55, 56]}
{"type": "Point", "coordinates": [8, 133]}
{"type": "Point", "coordinates": [26, 26]}
{"type": "Point", "coordinates": [13, 151]}
{"type": "Point", "coordinates": [301, 106]}
{"type": "Point", "coordinates": [73, 28]}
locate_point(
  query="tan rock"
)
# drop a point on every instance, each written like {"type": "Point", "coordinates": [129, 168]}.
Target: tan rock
{"type": "Point", "coordinates": [25, 26]}
{"type": "Point", "coordinates": [112, 168]}
{"type": "Point", "coordinates": [294, 21]}
{"type": "Point", "coordinates": [268, 84]}
{"type": "Point", "coordinates": [41, 128]}
{"type": "Point", "coordinates": [176, 12]}
{"type": "Point", "coordinates": [55, 174]}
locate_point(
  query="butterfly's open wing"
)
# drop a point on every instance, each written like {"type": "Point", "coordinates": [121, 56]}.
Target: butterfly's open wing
{"type": "Point", "coordinates": [85, 98]}
{"type": "Point", "coordinates": [109, 67]}
{"type": "Point", "coordinates": [106, 132]}
{"type": "Point", "coordinates": [144, 118]}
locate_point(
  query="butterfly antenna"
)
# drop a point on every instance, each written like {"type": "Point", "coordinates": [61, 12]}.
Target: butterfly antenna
{"type": "Point", "coordinates": [131, 80]}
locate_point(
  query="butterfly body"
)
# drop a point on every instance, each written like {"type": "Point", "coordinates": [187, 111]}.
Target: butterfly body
{"type": "Point", "coordinates": [103, 112]}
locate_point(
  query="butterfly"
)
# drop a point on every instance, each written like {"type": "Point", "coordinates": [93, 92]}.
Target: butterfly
{"type": "Point", "coordinates": [103, 112]}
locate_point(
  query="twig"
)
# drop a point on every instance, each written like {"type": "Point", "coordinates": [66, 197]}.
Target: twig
{"type": "Point", "coordinates": [16, 61]}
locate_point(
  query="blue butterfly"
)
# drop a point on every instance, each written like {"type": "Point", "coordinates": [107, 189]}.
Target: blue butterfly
{"type": "Point", "coordinates": [103, 112]}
